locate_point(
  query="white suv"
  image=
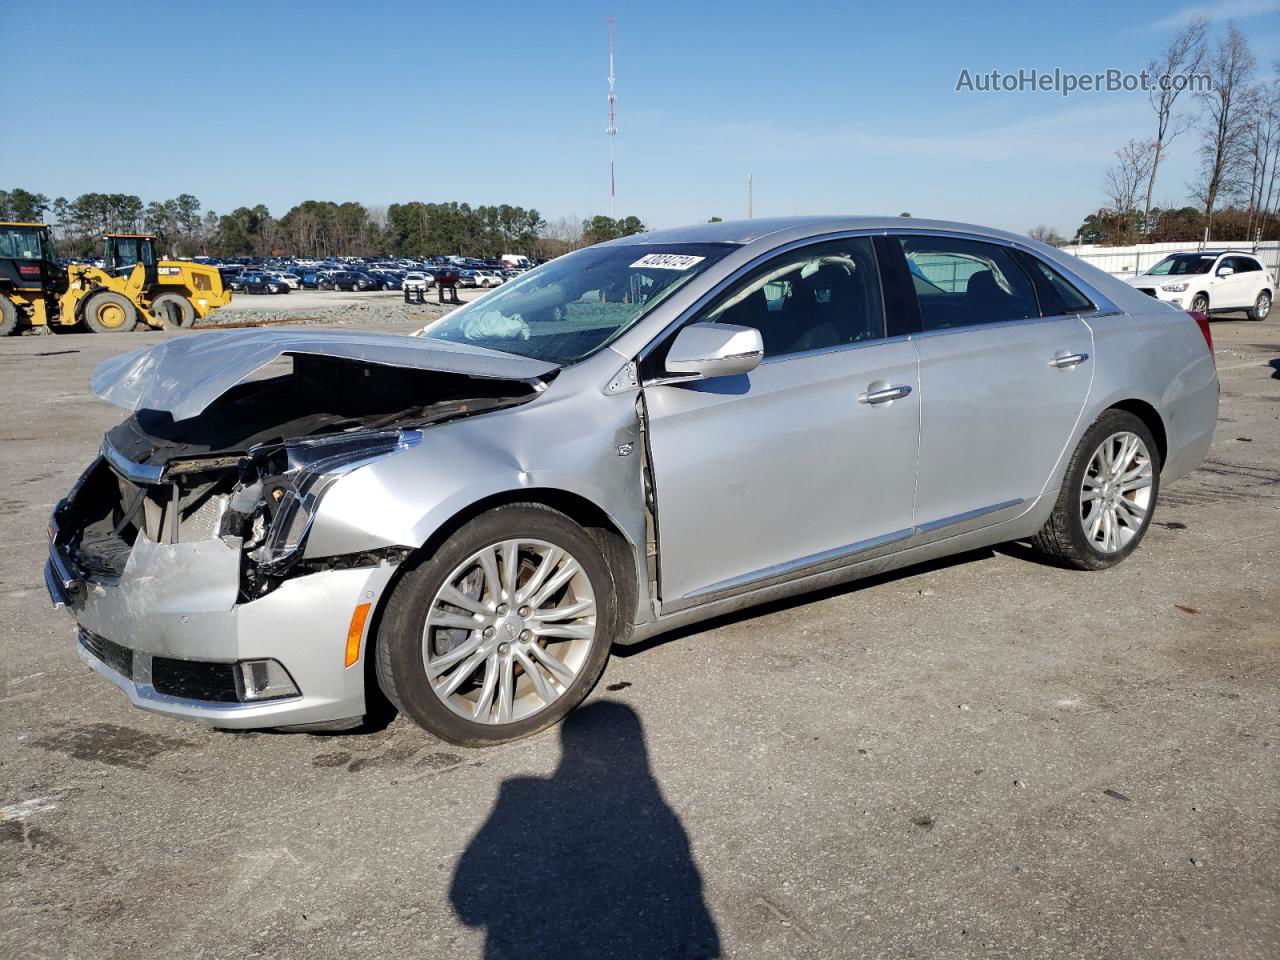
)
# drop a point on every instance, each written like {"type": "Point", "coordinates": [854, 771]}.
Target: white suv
{"type": "Point", "coordinates": [1212, 281]}
{"type": "Point", "coordinates": [416, 280]}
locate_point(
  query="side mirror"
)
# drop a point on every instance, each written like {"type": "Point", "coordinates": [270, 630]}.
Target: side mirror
{"type": "Point", "coordinates": [1225, 271]}
{"type": "Point", "coordinates": [706, 350]}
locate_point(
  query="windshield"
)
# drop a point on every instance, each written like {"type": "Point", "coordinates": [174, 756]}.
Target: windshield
{"type": "Point", "coordinates": [1183, 263]}
{"type": "Point", "coordinates": [571, 307]}
{"type": "Point", "coordinates": [25, 243]}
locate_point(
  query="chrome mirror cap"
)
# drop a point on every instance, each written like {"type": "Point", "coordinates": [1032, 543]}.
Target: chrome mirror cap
{"type": "Point", "coordinates": [715, 350]}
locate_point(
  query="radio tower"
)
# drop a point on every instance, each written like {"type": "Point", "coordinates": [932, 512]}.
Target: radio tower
{"type": "Point", "coordinates": [612, 130]}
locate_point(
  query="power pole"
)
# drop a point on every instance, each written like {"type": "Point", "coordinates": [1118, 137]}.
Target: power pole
{"type": "Point", "coordinates": [612, 131]}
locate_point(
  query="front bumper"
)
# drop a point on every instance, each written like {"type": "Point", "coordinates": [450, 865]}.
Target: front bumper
{"type": "Point", "coordinates": [179, 602]}
{"type": "Point", "coordinates": [1154, 291]}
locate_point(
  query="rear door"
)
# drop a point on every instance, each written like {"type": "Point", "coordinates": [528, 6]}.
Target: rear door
{"type": "Point", "coordinates": [1003, 379]}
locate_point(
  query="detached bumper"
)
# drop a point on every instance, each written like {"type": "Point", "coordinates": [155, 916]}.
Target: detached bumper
{"type": "Point", "coordinates": [171, 623]}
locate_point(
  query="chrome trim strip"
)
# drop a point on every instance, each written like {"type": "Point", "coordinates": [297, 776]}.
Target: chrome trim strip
{"type": "Point", "coordinates": [967, 515]}
{"type": "Point", "coordinates": [813, 560]}
{"type": "Point", "coordinates": [139, 473]}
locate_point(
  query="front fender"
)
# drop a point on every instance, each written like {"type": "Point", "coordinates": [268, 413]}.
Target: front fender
{"type": "Point", "coordinates": [570, 446]}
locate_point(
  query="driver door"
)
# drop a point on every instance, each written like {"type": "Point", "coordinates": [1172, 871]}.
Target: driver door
{"type": "Point", "coordinates": [804, 463]}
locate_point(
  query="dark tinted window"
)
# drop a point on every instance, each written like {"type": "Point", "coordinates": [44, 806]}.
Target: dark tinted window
{"type": "Point", "coordinates": [813, 298]}
{"type": "Point", "coordinates": [1242, 264]}
{"type": "Point", "coordinates": [1057, 295]}
{"type": "Point", "coordinates": [962, 283]}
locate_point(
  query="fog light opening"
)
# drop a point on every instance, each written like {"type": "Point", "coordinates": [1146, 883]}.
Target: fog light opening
{"type": "Point", "coordinates": [258, 680]}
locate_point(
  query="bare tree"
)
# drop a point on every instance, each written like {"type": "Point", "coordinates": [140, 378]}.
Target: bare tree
{"type": "Point", "coordinates": [1263, 148]}
{"type": "Point", "coordinates": [1131, 173]}
{"type": "Point", "coordinates": [1181, 57]}
{"type": "Point", "coordinates": [1046, 234]}
{"type": "Point", "coordinates": [1224, 141]}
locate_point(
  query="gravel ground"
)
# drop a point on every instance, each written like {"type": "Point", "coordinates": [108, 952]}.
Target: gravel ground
{"type": "Point", "coordinates": [983, 757]}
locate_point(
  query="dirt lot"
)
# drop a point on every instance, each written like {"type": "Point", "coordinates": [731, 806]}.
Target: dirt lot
{"type": "Point", "coordinates": [984, 757]}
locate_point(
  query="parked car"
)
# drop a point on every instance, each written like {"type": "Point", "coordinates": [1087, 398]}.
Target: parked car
{"type": "Point", "coordinates": [488, 278]}
{"type": "Point", "coordinates": [261, 283]}
{"type": "Point", "coordinates": [638, 436]}
{"type": "Point", "coordinates": [292, 280]}
{"type": "Point", "coordinates": [347, 280]}
{"type": "Point", "coordinates": [468, 278]}
{"type": "Point", "coordinates": [310, 278]}
{"type": "Point", "coordinates": [386, 280]}
{"type": "Point", "coordinates": [416, 280]}
{"type": "Point", "coordinates": [1211, 281]}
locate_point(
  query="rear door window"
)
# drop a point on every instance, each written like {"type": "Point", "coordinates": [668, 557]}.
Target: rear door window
{"type": "Point", "coordinates": [964, 283]}
{"type": "Point", "coordinates": [1058, 296]}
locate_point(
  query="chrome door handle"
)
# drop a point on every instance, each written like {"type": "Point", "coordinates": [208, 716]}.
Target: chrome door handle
{"type": "Point", "coordinates": [1070, 360]}
{"type": "Point", "coordinates": [885, 395]}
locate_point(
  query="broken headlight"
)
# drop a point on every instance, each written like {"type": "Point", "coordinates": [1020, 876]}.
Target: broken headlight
{"type": "Point", "coordinates": [272, 508]}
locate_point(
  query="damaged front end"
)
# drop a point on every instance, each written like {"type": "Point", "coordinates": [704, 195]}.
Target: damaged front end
{"type": "Point", "coordinates": [182, 550]}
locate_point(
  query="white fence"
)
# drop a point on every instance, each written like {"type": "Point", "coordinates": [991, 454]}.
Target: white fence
{"type": "Point", "coordinates": [1129, 261]}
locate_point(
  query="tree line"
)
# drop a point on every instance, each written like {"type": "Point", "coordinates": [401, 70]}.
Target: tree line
{"type": "Point", "coordinates": [1235, 194]}
{"type": "Point", "coordinates": [314, 228]}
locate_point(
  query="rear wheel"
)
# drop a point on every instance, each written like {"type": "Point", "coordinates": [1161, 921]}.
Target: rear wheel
{"type": "Point", "coordinates": [1199, 304]}
{"type": "Point", "coordinates": [1108, 495]}
{"type": "Point", "coordinates": [501, 632]}
{"type": "Point", "coordinates": [110, 313]}
{"type": "Point", "coordinates": [1261, 306]}
{"type": "Point", "coordinates": [174, 310]}
{"type": "Point", "coordinates": [8, 316]}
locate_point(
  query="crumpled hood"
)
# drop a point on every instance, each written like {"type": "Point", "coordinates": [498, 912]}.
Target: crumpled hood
{"type": "Point", "coordinates": [184, 375]}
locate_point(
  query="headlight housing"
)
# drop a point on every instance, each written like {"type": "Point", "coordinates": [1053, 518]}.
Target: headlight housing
{"type": "Point", "coordinates": [1175, 287]}
{"type": "Point", "coordinates": [270, 513]}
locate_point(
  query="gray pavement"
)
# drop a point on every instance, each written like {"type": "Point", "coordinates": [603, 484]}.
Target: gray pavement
{"type": "Point", "coordinates": [983, 757]}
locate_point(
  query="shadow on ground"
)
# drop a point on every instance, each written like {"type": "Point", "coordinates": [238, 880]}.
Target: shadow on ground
{"type": "Point", "coordinates": [589, 862]}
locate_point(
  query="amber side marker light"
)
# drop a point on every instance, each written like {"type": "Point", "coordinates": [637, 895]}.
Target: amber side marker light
{"type": "Point", "coordinates": [356, 631]}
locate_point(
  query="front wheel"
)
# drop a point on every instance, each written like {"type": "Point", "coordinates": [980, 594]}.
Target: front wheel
{"type": "Point", "coordinates": [8, 316]}
{"type": "Point", "coordinates": [1261, 306]}
{"type": "Point", "coordinates": [110, 313]}
{"type": "Point", "coordinates": [502, 631]}
{"type": "Point", "coordinates": [1108, 495]}
{"type": "Point", "coordinates": [1199, 304]}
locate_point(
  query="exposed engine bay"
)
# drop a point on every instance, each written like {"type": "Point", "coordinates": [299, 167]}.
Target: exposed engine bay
{"type": "Point", "coordinates": [250, 467]}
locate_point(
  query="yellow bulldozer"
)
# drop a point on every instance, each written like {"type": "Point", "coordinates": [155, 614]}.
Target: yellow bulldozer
{"type": "Point", "coordinates": [131, 286]}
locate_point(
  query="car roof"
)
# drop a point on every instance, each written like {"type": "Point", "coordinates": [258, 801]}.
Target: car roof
{"type": "Point", "coordinates": [798, 228]}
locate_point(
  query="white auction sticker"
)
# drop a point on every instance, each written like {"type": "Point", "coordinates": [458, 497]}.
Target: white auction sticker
{"type": "Point", "coordinates": [667, 261]}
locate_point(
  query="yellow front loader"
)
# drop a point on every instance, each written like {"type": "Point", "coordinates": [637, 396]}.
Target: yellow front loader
{"type": "Point", "coordinates": [131, 286]}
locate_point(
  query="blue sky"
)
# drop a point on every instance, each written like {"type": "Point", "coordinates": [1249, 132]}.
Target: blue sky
{"type": "Point", "coordinates": [832, 107]}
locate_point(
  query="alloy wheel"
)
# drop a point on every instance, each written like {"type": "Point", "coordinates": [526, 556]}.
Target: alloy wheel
{"type": "Point", "coordinates": [1115, 494]}
{"type": "Point", "coordinates": [508, 631]}
{"type": "Point", "coordinates": [1263, 306]}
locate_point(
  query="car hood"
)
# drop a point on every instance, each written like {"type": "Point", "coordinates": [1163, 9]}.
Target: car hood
{"type": "Point", "coordinates": [184, 375]}
{"type": "Point", "coordinates": [1145, 280]}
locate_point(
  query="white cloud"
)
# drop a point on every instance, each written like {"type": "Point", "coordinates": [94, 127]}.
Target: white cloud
{"type": "Point", "coordinates": [1227, 10]}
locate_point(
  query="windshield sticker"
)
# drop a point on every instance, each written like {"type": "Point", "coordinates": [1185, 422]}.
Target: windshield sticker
{"type": "Point", "coordinates": [667, 261]}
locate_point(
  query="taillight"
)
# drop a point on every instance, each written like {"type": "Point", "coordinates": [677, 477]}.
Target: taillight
{"type": "Point", "coordinates": [1202, 322]}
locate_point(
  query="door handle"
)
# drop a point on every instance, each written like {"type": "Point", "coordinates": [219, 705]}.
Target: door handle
{"type": "Point", "coordinates": [1070, 360]}
{"type": "Point", "coordinates": [884, 395]}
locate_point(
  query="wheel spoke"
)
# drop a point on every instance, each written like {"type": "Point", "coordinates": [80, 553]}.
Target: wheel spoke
{"type": "Point", "coordinates": [506, 688]}
{"type": "Point", "coordinates": [461, 674]}
{"type": "Point", "coordinates": [566, 631]}
{"type": "Point", "coordinates": [492, 579]}
{"type": "Point", "coordinates": [438, 665]}
{"type": "Point", "coordinates": [568, 570]}
{"type": "Point", "coordinates": [549, 561]}
{"type": "Point", "coordinates": [452, 595]}
{"type": "Point", "coordinates": [510, 566]}
{"type": "Point", "coordinates": [453, 621]}
{"type": "Point", "coordinates": [564, 613]}
{"type": "Point", "coordinates": [534, 672]}
{"type": "Point", "coordinates": [484, 702]}
{"type": "Point", "coordinates": [1137, 483]}
{"type": "Point", "coordinates": [563, 673]}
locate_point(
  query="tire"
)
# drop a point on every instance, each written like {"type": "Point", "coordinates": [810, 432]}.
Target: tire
{"type": "Point", "coordinates": [8, 316]}
{"type": "Point", "coordinates": [1065, 538]}
{"type": "Point", "coordinates": [110, 313]}
{"type": "Point", "coordinates": [1261, 307]}
{"type": "Point", "coordinates": [1200, 304]}
{"type": "Point", "coordinates": [173, 310]}
{"type": "Point", "coordinates": [400, 651]}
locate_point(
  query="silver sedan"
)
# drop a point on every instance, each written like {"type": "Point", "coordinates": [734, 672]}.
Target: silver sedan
{"type": "Point", "coordinates": [632, 437]}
